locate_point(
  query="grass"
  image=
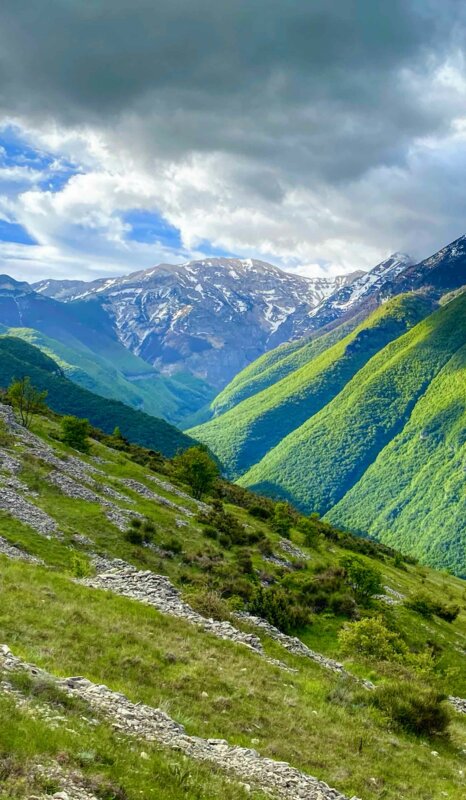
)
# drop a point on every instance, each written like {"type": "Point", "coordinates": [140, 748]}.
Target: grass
{"type": "Point", "coordinates": [111, 766]}
{"type": "Point", "coordinates": [309, 718]}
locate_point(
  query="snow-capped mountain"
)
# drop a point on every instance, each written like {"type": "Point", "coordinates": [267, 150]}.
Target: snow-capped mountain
{"type": "Point", "coordinates": [364, 290]}
{"type": "Point", "coordinates": [210, 317]}
{"type": "Point", "coordinates": [213, 317]}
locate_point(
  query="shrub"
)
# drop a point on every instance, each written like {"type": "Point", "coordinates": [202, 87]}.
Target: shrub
{"type": "Point", "coordinates": [279, 607]}
{"type": "Point", "coordinates": [74, 433]}
{"type": "Point", "coordinates": [245, 564]}
{"type": "Point", "coordinates": [80, 566]}
{"type": "Point", "coordinates": [196, 468]}
{"type": "Point", "coordinates": [365, 580]}
{"type": "Point", "coordinates": [312, 535]}
{"type": "Point", "coordinates": [140, 531]}
{"type": "Point", "coordinates": [259, 512]}
{"type": "Point", "coordinates": [282, 519]}
{"type": "Point", "coordinates": [424, 605]}
{"type": "Point", "coordinates": [370, 639]}
{"type": "Point", "coordinates": [414, 707]}
{"type": "Point", "coordinates": [210, 604]}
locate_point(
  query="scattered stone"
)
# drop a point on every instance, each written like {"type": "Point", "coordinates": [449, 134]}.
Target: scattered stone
{"type": "Point", "coordinates": [153, 724]}
{"type": "Point", "coordinates": [293, 550]}
{"type": "Point", "coordinates": [15, 504]}
{"type": "Point", "coordinates": [142, 490]}
{"type": "Point", "coordinates": [297, 647]}
{"type": "Point", "coordinates": [169, 487]}
{"type": "Point", "coordinates": [157, 590]}
{"type": "Point", "coordinates": [12, 551]}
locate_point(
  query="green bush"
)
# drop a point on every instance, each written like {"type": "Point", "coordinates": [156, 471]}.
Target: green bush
{"type": "Point", "coordinates": [259, 512]}
{"type": "Point", "coordinates": [75, 432]}
{"type": "Point", "coordinates": [364, 579]}
{"type": "Point", "coordinates": [371, 639]}
{"type": "Point", "coordinates": [424, 605]}
{"type": "Point", "coordinates": [414, 707]}
{"type": "Point", "coordinates": [279, 607]}
{"type": "Point", "coordinates": [282, 519]}
{"type": "Point", "coordinates": [140, 531]}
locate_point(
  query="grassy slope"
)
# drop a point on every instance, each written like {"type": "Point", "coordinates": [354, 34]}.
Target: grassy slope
{"type": "Point", "coordinates": [121, 375]}
{"type": "Point", "coordinates": [413, 495]}
{"type": "Point", "coordinates": [242, 436]}
{"type": "Point", "coordinates": [275, 365]}
{"type": "Point", "coordinates": [70, 629]}
{"type": "Point", "coordinates": [318, 464]}
{"type": "Point", "coordinates": [18, 358]}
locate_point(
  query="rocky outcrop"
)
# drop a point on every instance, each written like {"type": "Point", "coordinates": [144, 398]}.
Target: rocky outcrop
{"type": "Point", "coordinates": [154, 725]}
{"type": "Point", "coordinates": [170, 487]}
{"type": "Point", "coordinates": [11, 551]}
{"type": "Point", "coordinates": [148, 494]}
{"type": "Point", "coordinates": [157, 590]}
{"type": "Point", "coordinates": [298, 648]}
{"type": "Point", "coordinates": [18, 507]}
{"type": "Point", "coordinates": [458, 703]}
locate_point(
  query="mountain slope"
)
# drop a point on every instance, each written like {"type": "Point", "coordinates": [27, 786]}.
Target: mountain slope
{"type": "Point", "coordinates": [318, 463]}
{"type": "Point", "coordinates": [163, 657]}
{"type": "Point", "coordinates": [413, 495]}
{"type": "Point", "coordinates": [243, 435]}
{"type": "Point", "coordinates": [275, 365]}
{"type": "Point", "coordinates": [18, 358]}
{"type": "Point", "coordinates": [210, 317]}
{"type": "Point", "coordinates": [81, 337]}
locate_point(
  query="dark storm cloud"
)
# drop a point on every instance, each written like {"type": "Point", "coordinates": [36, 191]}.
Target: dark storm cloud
{"type": "Point", "coordinates": [309, 87]}
{"type": "Point", "coordinates": [312, 131]}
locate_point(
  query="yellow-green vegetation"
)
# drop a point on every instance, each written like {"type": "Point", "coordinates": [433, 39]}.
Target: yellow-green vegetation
{"type": "Point", "coordinates": [242, 436]}
{"type": "Point", "coordinates": [277, 364]}
{"type": "Point", "coordinates": [386, 454]}
{"type": "Point", "coordinates": [361, 742]}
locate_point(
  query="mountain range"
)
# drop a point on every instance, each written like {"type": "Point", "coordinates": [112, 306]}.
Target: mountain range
{"type": "Point", "coordinates": [210, 317]}
{"type": "Point", "coordinates": [312, 390]}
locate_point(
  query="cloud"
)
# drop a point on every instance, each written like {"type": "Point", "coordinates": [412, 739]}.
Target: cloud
{"type": "Point", "coordinates": [318, 135]}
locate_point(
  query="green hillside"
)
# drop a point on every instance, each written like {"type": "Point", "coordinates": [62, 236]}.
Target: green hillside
{"type": "Point", "coordinates": [19, 358]}
{"type": "Point", "coordinates": [413, 496]}
{"type": "Point", "coordinates": [275, 365]}
{"type": "Point", "coordinates": [243, 435]}
{"type": "Point", "coordinates": [317, 464]}
{"type": "Point", "coordinates": [109, 369]}
{"type": "Point", "coordinates": [163, 629]}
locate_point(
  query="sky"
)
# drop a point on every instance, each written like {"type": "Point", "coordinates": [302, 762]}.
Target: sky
{"type": "Point", "coordinates": [320, 136]}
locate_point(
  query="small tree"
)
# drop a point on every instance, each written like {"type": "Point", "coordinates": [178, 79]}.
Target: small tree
{"type": "Point", "coordinates": [196, 468]}
{"type": "Point", "coordinates": [281, 519]}
{"type": "Point", "coordinates": [74, 433]}
{"type": "Point", "coordinates": [26, 399]}
{"type": "Point", "coordinates": [365, 580]}
{"type": "Point", "coordinates": [309, 529]}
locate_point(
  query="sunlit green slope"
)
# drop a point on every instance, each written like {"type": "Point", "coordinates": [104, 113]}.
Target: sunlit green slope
{"type": "Point", "coordinates": [243, 435]}
{"type": "Point", "coordinates": [120, 375]}
{"type": "Point", "coordinates": [277, 364]}
{"type": "Point", "coordinates": [318, 464]}
{"type": "Point", "coordinates": [414, 494]}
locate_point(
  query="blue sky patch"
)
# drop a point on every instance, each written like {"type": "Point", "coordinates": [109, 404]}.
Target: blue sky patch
{"type": "Point", "coordinates": [14, 232]}
{"type": "Point", "coordinates": [148, 227]}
